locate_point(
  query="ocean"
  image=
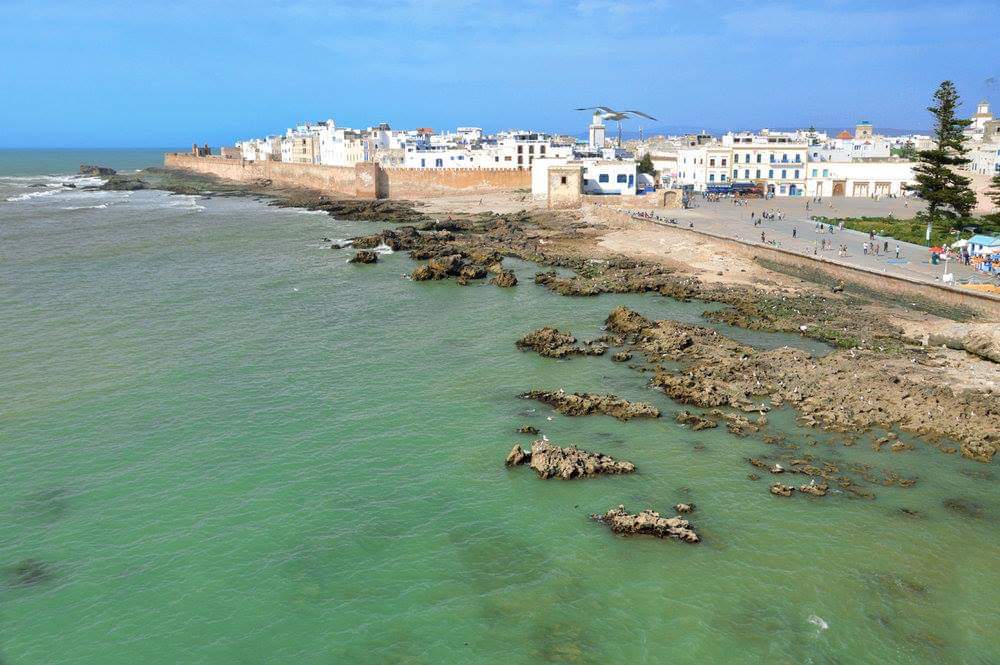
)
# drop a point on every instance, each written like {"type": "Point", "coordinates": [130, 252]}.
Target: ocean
{"type": "Point", "coordinates": [222, 443]}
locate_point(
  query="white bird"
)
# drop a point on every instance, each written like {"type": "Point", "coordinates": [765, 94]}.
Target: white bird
{"type": "Point", "coordinates": [608, 113]}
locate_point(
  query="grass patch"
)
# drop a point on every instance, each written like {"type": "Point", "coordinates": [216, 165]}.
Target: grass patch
{"type": "Point", "coordinates": [914, 230]}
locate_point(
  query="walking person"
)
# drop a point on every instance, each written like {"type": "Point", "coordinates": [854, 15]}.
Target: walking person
{"type": "Point", "coordinates": [794, 231]}
{"type": "Point", "coordinates": [897, 250]}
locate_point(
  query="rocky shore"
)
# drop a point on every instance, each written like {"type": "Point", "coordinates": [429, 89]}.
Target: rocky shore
{"type": "Point", "coordinates": [882, 376]}
{"type": "Point", "coordinates": [552, 343]}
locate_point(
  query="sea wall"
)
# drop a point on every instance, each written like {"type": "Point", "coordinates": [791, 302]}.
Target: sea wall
{"type": "Point", "coordinates": [366, 180]}
{"type": "Point", "coordinates": [402, 182]}
{"type": "Point", "coordinates": [893, 286]}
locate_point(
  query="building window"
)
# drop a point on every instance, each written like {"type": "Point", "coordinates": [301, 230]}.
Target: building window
{"type": "Point", "coordinates": [423, 163]}
{"type": "Point", "coordinates": [711, 177]}
{"type": "Point", "coordinates": [796, 174]}
{"type": "Point", "coordinates": [770, 173]}
{"type": "Point", "coordinates": [723, 161]}
{"type": "Point", "coordinates": [782, 189]}
{"type": "Point", "coordinates": [736, 173]}
{"type": "Point", "coordinates": [758, 173]}
{"type": "Point", "coordinates": [826, 172]}
{"type": "Point", "coordinates": [541, 149]}
{"type": "Point", "coordinates": [603, 177]}
{"type": "Point", "coordinates": [520, 149]}
{"type": "Point", "coordinates": [438, 162]}
{"type": "Point", "coordinates": [722, 177]}
{"type": "Point", "coordinates": [815, 171]}
{"type": "Point", "coordinates": [759, 155]}
{"type": "Point", "coordinates": [562, 180]}
{"type": "Point", "coordinates": [531, 150]}
{"type": "Point", "coordinates": [622, 178]}
{"type": "Point", "coordinates": [798, 158]}
{"type": "Point", "coordinates": [746, 159]}
{"type": "Point", "coordinates": [784, 174]}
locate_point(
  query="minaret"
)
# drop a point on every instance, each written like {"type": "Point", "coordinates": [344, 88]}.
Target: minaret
{"type": "Point", "coordinates": [597, 131]}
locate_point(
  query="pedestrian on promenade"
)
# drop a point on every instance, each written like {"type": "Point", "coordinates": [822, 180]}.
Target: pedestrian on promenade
{"type": "Point", "coordinates": [762, 236]}
{"type": "Point", "coordinates": [897, 250]}
{"type": "Point", "coordinates": [793, 231]}
{"type": "Point", "coordinates": [886, 247]}
{"type": "Point", "coordinates": [864, 248]}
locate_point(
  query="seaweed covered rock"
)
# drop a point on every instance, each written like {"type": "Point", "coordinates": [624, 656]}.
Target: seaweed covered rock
{"type": "Point", "coordinates": [364, 256]}
{"type": "Point", "coordinates": [582, 404]}
{"type": "Point", "coordinates": [782, 490]}
{"type": "Point", "coordinates": [647, 522]}
{"type": "Point", "coordinates": [694, 421]}
{"type": "Point", "coordinates": [553, 343]}
{"type": "Point", "coordinates": [505, 279]}
{"type": "Point", "coordinates": [818, 489]}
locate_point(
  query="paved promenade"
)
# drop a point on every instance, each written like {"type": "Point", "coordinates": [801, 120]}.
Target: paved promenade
{"type": "Point", "coordinates": [726, 219]}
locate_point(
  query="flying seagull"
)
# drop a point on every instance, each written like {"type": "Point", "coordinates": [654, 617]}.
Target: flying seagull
{"type": "Point", "coordinates": [608, 113]}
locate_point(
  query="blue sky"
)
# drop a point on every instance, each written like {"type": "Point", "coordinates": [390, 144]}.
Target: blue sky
{"type": "Point", "coordinates": [146, 73]}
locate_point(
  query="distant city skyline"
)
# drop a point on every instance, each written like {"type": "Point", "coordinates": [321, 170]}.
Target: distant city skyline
{"type": "Point", "coordinates": [118, 74]}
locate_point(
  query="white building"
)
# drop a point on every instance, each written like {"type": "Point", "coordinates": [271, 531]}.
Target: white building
{"type": "Point", "coordinates": [600, 176]}
{"type": "Point", "coordinates": [859, 179]}
{"type": "Point", "coordinates": [340, 146]}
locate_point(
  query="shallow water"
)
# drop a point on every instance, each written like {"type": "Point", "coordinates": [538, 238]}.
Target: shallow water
{"type": "Point", "coordinates": [226, 444]}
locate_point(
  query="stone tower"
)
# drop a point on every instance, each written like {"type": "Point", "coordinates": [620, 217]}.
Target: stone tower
{"type": "Point", "coordinates": [863, 131]}
{"type": "Point", "coordinates": [596, 131]}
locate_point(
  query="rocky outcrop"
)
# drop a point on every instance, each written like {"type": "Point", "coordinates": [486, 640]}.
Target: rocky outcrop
{"type": "Point", "coordinates": [505, 279]}
{"type": "Point", "coordinates": [983, 340]}
{"type": "Point", "coordinates": [694, 421]}
{"type": "Point", "coordinates": [364, 256]}
{"type": "Point", "coordinates": [647, 522]}
{"type": "Point", "coordinates": [622, 356]}
{"type": "Point", "coordinates": [814, 489]}
{"type": "Point", "coordinates": [121, 183]}
{"type": "Point", "coordinates": [551, 461]}
{"type": "Point", "coordinates": [91, 169]}
{"type": "Point", "coordinates": [516, 456]}
{"type": "Point", "coordinates": [782, 490]}
{"type": "Point", "coordinates": [582, 404]}
{"type": "Point", "coordinates": [527, 429]}
{"type": "Point", "coordinates": [684, 508]}
{"type": "Point", "coordinates": [552, 343]}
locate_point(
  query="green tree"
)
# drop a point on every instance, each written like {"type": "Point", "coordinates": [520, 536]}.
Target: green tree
{"type": "Point", "coordinates": [646, 165]}
{"type": "Point", "coordinates": [994, 193]}
{"type": "Point", "coordinates": [938, 182]}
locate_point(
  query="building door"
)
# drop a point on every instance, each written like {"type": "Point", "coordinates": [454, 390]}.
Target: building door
{"type": "Point", "coordinates": [819, 189]}
{"type": "Point", "coordinates": [793, 190]}
{"type": "Point", "coordinates": [838, 187]}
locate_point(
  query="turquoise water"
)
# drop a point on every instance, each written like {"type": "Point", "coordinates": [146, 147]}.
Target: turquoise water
{"type": "Point", "coordinates": [227, 445]}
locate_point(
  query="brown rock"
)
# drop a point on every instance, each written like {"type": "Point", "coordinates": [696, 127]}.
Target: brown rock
{"type": "Point", "coordinates": [647, 522]}
{"type": "Point", "coordinates": [516, 456]}
{"type": "Point", "coordinates": [694, 421]}
{"type": "Point", "coordinates": [364, 256]}
{"type": "Point", "coordinates": [505, 279]}
{"type": "Point", "coordinates": [782, 490]}
{"type": "Point", "coordinates": [582, 404]}
{"type": "Point", "coordinates": [550, 461]}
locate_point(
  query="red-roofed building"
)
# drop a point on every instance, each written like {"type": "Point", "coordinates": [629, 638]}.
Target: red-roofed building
{"type": "Point", "coordinates": [845, 135]}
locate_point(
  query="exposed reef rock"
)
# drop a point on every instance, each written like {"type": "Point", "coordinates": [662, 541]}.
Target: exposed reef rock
{"type": "Point", "coordinates": [552, 343]}
{"type": "Point", "coordinates": [684, 508]}
{"type": "Point", "coordinates": [582, 404]}
{"type": "Point", "coordinates": [694, 421]}
{"type": "Point", "coordinates": [505, 279]}
{"type": "Point", "coordinates": [846, 391]}
{"type": "Point", "coordinates": [364, 256]}
{"type": "Point", "coordinates": [647, 522]}
{"type": "Point", "coordinates": [122, 183]}
{"type": "Point", "coordinates": [91, 169]}
{"type": "Point", "coordinates": [782, 490]}
{"type": "Point", "coordinates": [527, 429]}
{"type": "Point", "coordinates": [815, 490]}
{"type": "Point", "coordinates": [551, 461]}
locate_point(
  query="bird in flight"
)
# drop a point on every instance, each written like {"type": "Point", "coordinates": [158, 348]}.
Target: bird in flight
{"type": "Point", "coordinates": [609, 113]}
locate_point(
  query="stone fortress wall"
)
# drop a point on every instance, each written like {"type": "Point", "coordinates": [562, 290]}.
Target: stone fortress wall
{"type": "Point", "coordinates": [365, 180]}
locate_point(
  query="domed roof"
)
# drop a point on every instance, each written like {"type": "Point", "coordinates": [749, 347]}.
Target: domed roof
{"type": "Point", "coordinates": [844, 135]}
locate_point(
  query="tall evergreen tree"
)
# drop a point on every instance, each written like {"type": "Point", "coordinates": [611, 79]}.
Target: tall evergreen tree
{"type": "Point", "coordinates": [646, 165]}
{"type": "Point", "coordinates": [994, 191]}
{"type": "Point", "coordinates": [946, 191]}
